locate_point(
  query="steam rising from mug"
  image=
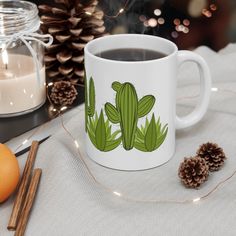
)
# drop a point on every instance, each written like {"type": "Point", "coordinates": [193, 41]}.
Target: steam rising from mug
{"type": "Point", "coordinates": [127, 22]}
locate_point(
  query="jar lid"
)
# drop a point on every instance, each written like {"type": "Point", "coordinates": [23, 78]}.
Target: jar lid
{"type": "Point", "coordinates": [17, 16]}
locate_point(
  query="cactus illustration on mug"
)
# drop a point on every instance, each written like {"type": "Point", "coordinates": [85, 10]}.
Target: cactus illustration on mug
{"type": "Point", "coordinates": [128, 110]}
{"type": "Point", "coordinates": [101, 135]}
{"type": "Point", "coordinates": [99, 130]}
{"type": "Point", "coordinates": [151, 136]}
{"type": "Point", "coordinates": [89, 100]}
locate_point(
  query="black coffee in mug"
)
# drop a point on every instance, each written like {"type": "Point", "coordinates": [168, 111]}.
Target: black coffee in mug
{"type": "Point", "coordinates": [131, 54]}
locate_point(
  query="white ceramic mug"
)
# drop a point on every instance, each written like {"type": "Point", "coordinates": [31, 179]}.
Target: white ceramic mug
{"type": "Point", "coordinates": [131, 106]}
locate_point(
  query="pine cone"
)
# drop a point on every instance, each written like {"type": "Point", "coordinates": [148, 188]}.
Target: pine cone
{"type": "Point", "coordinates": [63, 93]}
{"type": "Point", "coordinates": [193, 172]}
{"type": "Point", "coordinates": [213, 155]}
{"type": "Point", "coordinates": [72, 23]}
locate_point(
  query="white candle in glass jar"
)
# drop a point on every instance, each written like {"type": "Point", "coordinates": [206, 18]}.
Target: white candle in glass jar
{"type": "Point", "coordinates": [20, 90]}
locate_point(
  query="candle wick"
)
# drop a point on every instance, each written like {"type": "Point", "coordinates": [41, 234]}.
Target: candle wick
{"type": "Point", "coordinates": [6, 66]}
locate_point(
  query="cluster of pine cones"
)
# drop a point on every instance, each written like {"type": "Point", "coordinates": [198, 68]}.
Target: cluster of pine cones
{"type": "Point", "coordinates": [194, 171]}
{"type": "Point", "coordinates": [72, 23]}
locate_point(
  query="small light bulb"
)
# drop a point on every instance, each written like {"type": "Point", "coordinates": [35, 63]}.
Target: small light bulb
{"type": "Point", "coordinates": [50, 84]}
{"type": "Point", "coordinates": [25, 142]}
{"type": "Point", "coordinates": [5, 57]}
{"type": "Point", "coordinates": [121, 10]}
{"type": "Point", "coordinates": [161, 21]}
{"type": "Point", "coordinates": [117, 194]}
{"type": "Point", "coordinates": [157, 12]}
{"type": "Point", "coordinates": [214, 89]}
{"type": "Point", "coordinates": [63, 108]}
{"type": "Point", "coordinates": [76, 144]}
{"type": "Point", "coordinates": [152, 22]}
{"type": "Point", "coordinates": [197, 199]}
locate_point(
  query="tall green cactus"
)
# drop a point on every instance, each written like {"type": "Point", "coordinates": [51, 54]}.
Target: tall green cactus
{"type": "Point", "coordinates": [91, 104]}
{"type": "Point", "coordinates": [128, 110]}
{"type": "Point", "coordinates": [89, 100]}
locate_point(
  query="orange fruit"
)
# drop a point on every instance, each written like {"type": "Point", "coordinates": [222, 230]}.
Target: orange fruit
{"type": "Point", "coordinates": [9, 172]}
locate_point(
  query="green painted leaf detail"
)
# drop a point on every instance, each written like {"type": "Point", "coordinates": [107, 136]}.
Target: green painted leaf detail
{"type": "Point", "coordinates": [89, 111]}
{"type": "Point", "coordinates": [145, 105]}
{"type": "Point", "coordinates": [151, 135]}
{"type": "Point", "coordinates": [158, 125]}
{"type": "Point", "coordinates": [139, 134]}
{"type": "Point", "coordinates": [163, 129]}
{"type": "Point", "coordinates": [100, 133]}
{"type": "Point", "coordinates": [108, 132]}
{"type": "Point", "coordinates": [112, 145]}
{"type": "Point", "coordinates": [142, 129]}
{"type": "Point", "coordinates": [112, 113]}
{"type": "Point", "coordinates": [116, 86]}
{"type": "Point", "coordinates": [113, 136]}
{"type": "Point", "coordinates": [146, 125]}
{"type": "Point", "coordinates": [161, 139]}
{"type": "Point", "coordinates": [91, 124]}
{"type": "Point", "coordinates": [92, 137]}
{"type": "Point", "coordinates": [140, 146]}
{"type": "Point", "coordinates": [96, 119]}
{"type": "Point", "coordinates": [91, 97]}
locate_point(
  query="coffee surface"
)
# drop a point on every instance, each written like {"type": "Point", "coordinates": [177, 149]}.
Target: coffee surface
{"type": "Point", "coordinates": [131, 54]}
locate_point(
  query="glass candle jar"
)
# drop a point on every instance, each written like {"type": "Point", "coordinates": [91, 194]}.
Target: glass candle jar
{"type": "Point", "coordinates": [22, 70]}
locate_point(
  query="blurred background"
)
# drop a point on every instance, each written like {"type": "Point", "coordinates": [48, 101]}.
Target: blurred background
{"type": "Point", "coordinates": [188, 23]}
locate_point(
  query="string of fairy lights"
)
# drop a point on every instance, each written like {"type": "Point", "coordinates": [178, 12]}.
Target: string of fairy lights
{"type": "Point", "coordinates": [119, 194]}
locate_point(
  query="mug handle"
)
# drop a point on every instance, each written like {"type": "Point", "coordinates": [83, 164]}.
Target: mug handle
{"type": "Point", "coordinates": [205, 89]}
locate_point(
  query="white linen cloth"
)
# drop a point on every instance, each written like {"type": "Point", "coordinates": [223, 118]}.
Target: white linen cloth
{"type": "Point", "coordinates": [69, 203]}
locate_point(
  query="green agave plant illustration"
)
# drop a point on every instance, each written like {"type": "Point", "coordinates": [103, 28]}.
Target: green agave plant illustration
{"type": "Point", "coordinates": [128, 110]}
{"type": "Point", "coordinates": [100, 133]}
{"type": "Point", "coordinates": [150, 137]}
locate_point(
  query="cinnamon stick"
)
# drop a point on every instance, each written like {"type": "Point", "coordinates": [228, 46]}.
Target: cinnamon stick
{"type": "Point", "coordinates": [20, 197]}
{"type": "Point", "coordinates": [29, 200]}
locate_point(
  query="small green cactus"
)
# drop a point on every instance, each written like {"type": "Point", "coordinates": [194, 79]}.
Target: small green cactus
{"type": "Point", "coordinates": [100, 134]}
{"type": "Point", "coordinates": [128, 110]}
{"type": "Point", "coordinates": [89, 100]}
{"type": "Point", "coordinates": [151, 136]}
{"type": "Point", "coordinates": [91, 104]}
{"type": "Point", "coordinates": [86, 102]}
